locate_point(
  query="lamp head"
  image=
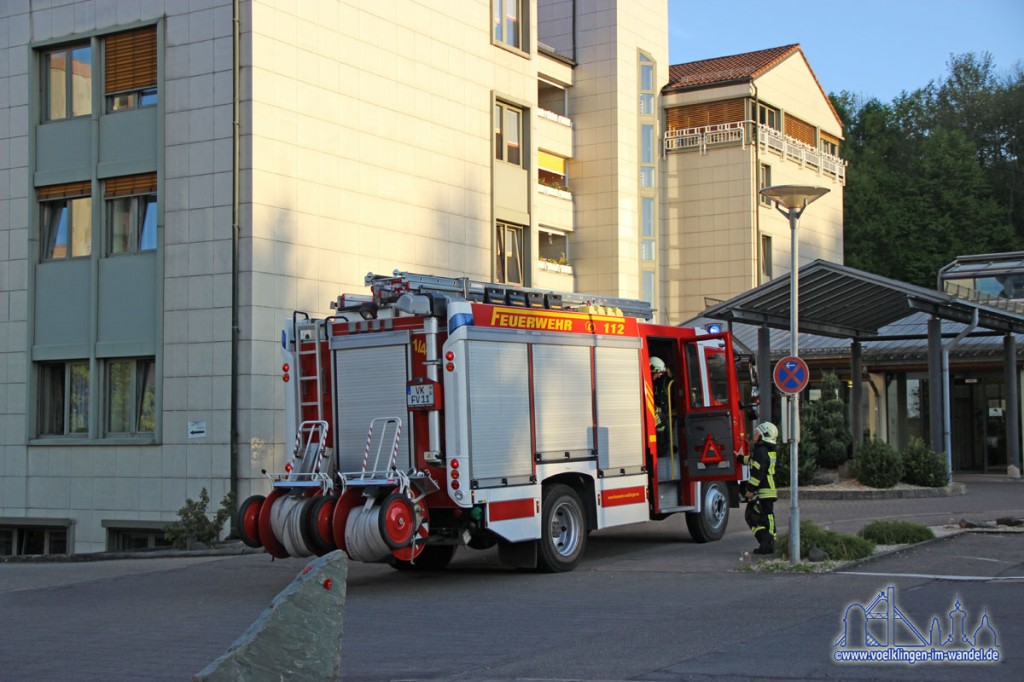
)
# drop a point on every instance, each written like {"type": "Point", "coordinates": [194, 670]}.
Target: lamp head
{"type": "Point", "coordinates": [794, 196]}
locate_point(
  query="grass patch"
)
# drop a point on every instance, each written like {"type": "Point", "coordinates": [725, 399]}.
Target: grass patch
{"type": "Point", "coordinates": [838, 546]}
{"type": "Point", "coordinates": [895, 532]}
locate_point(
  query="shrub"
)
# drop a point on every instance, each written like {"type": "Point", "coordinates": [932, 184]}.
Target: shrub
{"type": "Point", "coordinates": [824, 436]}
{"type": "Point", "coordinates": [921, 466]}
{"type": "Point", "coordinates": [838, 546]}
{"type": "Point", "coordinates": [808, 467]}
{"type": "Point", "coordinates": [877, 465]}
{"type": "Point", "coordinates": [195, 524]}
{"type": "Point", "coordinates": [896, 532]}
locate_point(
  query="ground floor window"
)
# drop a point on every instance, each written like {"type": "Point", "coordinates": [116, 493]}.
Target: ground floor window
{"type": "Point", "coordinates": [22, 540]}
{"type": "Point", "coordinates": [135, 539]}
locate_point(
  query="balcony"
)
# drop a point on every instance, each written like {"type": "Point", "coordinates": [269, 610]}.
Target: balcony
{"type": "Point", "coordinates": [554, 207]}
{"type": "Point", "coordinates": [769, 140]}
{"type": "Point", "coordinates": [554, 133]}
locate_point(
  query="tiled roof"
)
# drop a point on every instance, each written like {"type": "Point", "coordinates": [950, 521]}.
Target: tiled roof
{"type": "Point", "coordinates": [724, 69]}
{"type": "Point", "coordinates": [737, 67]}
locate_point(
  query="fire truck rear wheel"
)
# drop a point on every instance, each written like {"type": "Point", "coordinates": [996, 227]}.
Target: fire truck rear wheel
{"type": "Point", "coordinates": [563, 530]}
{"type": "Point", "coordinates": [710, 522]}
{"type": "Point", "coordinates": [432, 558]}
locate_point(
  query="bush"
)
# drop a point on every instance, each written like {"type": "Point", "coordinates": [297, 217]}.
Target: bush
{"type": "Point", "coordinates": [808, 467]}
{"type": "Point", "coordinates": [824, 436]}
{"type": "Point", "coordinates": [877, 465]}
{"type": "Point", "coordinates": [838, 546]}
{"type": "Point", "coordinates": [921, 466]}
{"type": "Point", "coordinates": [896, 532]}
{"type": "Point", "coordinates": [195, 525]}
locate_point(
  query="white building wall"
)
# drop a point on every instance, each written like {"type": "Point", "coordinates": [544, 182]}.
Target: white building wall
{"type": "Point", "coordinates": [604, 107]}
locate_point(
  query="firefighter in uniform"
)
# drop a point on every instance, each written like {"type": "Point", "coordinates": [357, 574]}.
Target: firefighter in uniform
{"type": "Point", "coordinates": [760, 490]}
{"type": "Point", "coordinates": [659, 382]}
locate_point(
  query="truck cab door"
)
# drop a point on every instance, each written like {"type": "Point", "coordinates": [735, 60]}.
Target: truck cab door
{"type": "Point", "coordinates": [711, 394]}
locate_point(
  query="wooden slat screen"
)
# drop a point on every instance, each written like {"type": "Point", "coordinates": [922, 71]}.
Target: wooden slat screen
{"type": "Point", "coordinates": [130, 59]}
{"type": "Point", "coordinates": [800, 130]}
{"type": "Point", "coordinates": [130, 184]}
{"type": "Point", "coordinates": [68, 189]}
{"type": "Point", "coordinates": [711, 113]}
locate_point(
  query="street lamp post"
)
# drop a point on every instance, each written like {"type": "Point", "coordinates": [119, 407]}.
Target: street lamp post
{"type": "Point", "coordinates": [791, 200]}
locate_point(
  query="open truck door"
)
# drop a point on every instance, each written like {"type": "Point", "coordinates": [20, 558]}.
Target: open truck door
{"type": "Point", "coordinates": [712, 437]}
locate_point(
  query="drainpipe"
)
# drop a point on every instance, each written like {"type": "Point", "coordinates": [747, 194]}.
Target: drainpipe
{"type": "Point", "coordinates": [754, 135]}
{"type": "Point", "coordinates": [945, 390]}
{"type": "Point", "coordinates": [235, 168]}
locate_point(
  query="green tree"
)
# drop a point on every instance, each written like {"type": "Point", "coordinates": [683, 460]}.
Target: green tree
{"type": "Point", "coordinates": [934, 174]}
{"type": "Point", "coordinates": [824, 435]}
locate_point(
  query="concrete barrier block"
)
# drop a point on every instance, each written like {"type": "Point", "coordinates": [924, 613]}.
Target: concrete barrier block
{"type": "Point", "coordinates": [297, 637]}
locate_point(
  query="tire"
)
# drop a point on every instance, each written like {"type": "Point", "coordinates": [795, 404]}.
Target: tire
{"type": "Point", "coordinates": [563, 530]}
{"type": "Point", "coordinates": [708, 525]}
{"type": "Point", "coordinates": [432, 558]}
{"type": "Point", "coordinates": [247, 521]}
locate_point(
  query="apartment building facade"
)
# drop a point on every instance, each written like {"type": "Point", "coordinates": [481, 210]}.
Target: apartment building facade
{"type": "Point", "coordinates": [173, 184]}
{"type": "Point", "coordinates": [734, 125]}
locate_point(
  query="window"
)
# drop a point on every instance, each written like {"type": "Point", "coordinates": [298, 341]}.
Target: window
{"type": "Point", "coordinates": [22, 540]}
{"type": "Point", "coordinates": [764, 180]}
{"type": "Point", "coordinates": [64, 398]}
{"type": "Point", "coordinates": [828, 144]}
{"type": "Point", "coordinates": [67, 82]}
{"type": "Point", "coordinates": [553, 245]}
{"type": "Point", "coordinates": [508, 133]}
{"type": "Point", "coordinates": [131, 210]}
{"type": "Point", "coordinates": [647, 286]}
{"type": "Point", "coordinates": [135, 539]}
{"type": "Point", "coordinates": [130, 73]}
{"type": "Point", "coordinates": [767, 116]}
{"type": "Point", "coordinates": [766, 259]}
{"type": "Point", "coordinates": [508, 24]}
{"type": "Point", "coordinates": [646, 86]}
{"type": "Point", "coordinates": [66, 217]}
{"type": "Point", "coordinates": [647, 216]}
{"type": "Point", "coordinates": [131, 396]}
{"type": "Point", "coordinates": [509, 242]}
{"type": "Point", "coordinates": [551, 170]}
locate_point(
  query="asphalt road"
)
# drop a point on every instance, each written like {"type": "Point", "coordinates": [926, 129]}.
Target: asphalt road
{"type": "Point", "coordinates": [647, 603]}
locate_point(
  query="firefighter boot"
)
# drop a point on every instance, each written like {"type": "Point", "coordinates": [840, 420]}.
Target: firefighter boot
{"type": "Point", "coordinates": [766, 543]}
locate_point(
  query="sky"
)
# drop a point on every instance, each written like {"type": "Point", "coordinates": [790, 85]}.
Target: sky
{"type": "Point", "coordinates": [872, 48]}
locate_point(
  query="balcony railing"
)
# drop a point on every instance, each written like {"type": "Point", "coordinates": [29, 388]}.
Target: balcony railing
{"type": "Point", "coordinates": [769, 140]}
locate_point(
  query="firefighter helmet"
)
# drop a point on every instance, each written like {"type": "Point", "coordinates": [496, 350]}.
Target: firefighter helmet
{"type": "Point", "coordinates": [769, 432]}
{"type": "Point", "coordinates": [657, 364]}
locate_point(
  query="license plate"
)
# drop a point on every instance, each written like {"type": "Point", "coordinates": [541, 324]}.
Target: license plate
{"type": "Point", "coordinates": [420, 395]}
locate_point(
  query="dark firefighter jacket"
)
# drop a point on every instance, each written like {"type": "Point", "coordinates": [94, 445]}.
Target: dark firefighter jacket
{"type": "Point", "coordinates": [762, 470]}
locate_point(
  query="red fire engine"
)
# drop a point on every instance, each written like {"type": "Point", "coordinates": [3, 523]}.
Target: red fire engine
{"type": "Point", "coordinates": [443, 412]}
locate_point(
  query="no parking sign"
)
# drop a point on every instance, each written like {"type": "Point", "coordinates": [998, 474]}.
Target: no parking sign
{"type": "Point", "coordinates": [791, 374]}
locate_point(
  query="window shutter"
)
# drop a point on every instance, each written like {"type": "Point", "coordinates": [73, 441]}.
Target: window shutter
{"type": "Point", "coordinates": [68, 189]}
{"type": "Point", "coordinates": [130, 59]}
{"type": "Point", "coordinates": [129, 184]}
{"type": "Point", "coordinates": [699, 115]}
{"type": "Point", "coordinates": [800, 130]}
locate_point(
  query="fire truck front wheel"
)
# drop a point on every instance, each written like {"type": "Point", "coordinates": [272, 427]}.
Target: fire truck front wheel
{"type": "Point", "coordinates": [563, 530]}
{"type": "Point", "coordinates": [709, 523]}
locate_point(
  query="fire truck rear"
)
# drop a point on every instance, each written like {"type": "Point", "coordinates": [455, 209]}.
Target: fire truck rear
{"type": "Point", "coordinates": [438, 413]}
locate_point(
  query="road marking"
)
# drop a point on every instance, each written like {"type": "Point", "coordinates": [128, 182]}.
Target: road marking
{"type": "Point", "coordinates": [932, 576]}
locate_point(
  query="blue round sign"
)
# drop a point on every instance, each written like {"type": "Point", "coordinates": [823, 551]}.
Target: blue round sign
{"type": "Point", "coordinates": [791, 374]}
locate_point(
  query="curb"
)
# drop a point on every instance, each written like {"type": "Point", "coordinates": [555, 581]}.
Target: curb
{"type": "Point", "coordinates": [876, 493]}
{"type": "Point", "coordinates": [225, 549]}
